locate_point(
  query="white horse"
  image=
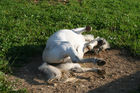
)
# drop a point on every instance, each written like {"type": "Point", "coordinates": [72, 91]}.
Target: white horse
{"type": "Point", "coordinates": [65, 48]}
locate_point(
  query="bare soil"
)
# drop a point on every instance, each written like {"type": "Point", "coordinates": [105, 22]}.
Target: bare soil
{"type": "Point", "coordinates": [122, 76]}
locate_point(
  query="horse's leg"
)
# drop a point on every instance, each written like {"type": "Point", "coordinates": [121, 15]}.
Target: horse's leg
{"type": "Point", "coordinates": [75, 67]}
{"type": "Point", "coordinates": [76, 57]}
{"type": "Point", "coordinates": [50, 71]}
{"type": "Point", "coordinates": [82, 29]}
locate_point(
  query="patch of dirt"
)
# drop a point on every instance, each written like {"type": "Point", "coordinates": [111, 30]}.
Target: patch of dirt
{"type": "Point", "coordinates": [122, 76]}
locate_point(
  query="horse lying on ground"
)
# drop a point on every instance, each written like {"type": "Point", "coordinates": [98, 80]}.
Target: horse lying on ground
{"type": "Point", "coordinates": [66, 48]}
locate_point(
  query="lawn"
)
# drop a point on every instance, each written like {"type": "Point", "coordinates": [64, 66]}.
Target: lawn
{"type": "Point", "coordinates": [25, 25]}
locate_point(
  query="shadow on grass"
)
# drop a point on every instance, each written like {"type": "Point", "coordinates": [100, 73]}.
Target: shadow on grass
{"type": "Point", "coordinates": [19, 56]}
{"type": "Point", "coordinates": [127, 84]}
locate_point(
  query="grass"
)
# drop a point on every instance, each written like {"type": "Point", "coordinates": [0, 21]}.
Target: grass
{"type": "Point", "coordinates": [25, 25]}
{"type": "Point", "coordinates": [7, 87]}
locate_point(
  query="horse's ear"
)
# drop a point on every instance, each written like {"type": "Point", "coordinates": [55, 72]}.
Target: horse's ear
{"type": "Point", "coordinates": [88, 28]}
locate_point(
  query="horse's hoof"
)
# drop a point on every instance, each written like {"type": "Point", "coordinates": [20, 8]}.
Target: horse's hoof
{"type": "Point", "coordinates": [101, 42]}
{"type": "Point", "coordinates": [88, 28]}
{"type": "Point", "coordinates": [101, 72]}
{"type": "Point", "coordinates": [101, 62]}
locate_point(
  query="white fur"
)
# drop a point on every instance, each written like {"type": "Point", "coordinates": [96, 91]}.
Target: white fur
{"type": "Point", "coordinates": [66, 45]}
{"type": "Point", "coordinates": [88, 37]}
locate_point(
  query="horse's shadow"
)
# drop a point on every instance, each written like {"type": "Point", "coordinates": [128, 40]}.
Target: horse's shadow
{"type": "Point", "coordinates": [24, 62]}
{"type": "Point", "coordinates": [30, 72]}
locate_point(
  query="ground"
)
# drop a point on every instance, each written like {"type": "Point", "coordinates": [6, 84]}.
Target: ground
{"type": "Point", "coordinates": [122, 76]}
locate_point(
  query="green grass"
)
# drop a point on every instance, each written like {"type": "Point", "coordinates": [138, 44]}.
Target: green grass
{"type": "Point", "coordinates": [25, 26]}
{"type": "Point", "coordinates": [7, 87]}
